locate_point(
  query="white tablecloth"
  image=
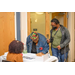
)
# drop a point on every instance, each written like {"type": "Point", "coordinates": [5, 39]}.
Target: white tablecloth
{"type": "Point", "coordinates": [51, 59]}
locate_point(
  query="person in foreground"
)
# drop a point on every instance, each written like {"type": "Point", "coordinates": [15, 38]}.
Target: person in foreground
{"type": "Point", "coordinates": [15, 50]}
{"type": "Point", "coordinates": [36, 43]}
{"type": "Point", "coordinates": [60, 38]}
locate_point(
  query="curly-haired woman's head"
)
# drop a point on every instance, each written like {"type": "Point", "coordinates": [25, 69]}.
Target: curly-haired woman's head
{"type": "Point", "coordinates": [16, 47]}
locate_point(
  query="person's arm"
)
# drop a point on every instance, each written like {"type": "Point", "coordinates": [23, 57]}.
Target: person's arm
{"type": "Point", "coordinates": [66, 42]}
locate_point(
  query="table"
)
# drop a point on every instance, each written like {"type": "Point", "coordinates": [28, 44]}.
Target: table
{"type": "Point", "coordinates": [32, 59]}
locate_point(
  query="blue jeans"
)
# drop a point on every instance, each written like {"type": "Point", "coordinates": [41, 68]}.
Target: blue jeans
{"type": "Point", "coordinates": [56, 52]}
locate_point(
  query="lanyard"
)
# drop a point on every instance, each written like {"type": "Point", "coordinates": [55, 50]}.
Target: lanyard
{"type": "Point", "coordinates": [56, 31]}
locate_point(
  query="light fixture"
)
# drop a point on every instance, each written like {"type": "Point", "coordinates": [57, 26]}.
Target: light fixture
{"type": "Point", "coordinates": [39, 12]}
{"type": "Point", "coordinates": [35, 20]}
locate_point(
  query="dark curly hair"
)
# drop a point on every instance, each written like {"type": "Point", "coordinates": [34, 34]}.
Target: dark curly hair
{"type": "Point", "coordinates": [16, 47]}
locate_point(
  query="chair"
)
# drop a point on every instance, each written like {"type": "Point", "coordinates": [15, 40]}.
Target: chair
{"type": "Point", "coordinates": [5, 61]}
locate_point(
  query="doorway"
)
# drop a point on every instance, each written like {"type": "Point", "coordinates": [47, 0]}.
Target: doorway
{"type": "Point", "coordinates": [41, 22]}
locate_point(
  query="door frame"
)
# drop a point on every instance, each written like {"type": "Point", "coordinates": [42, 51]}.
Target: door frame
{"type": "Point", "coordinates": [28, 24]}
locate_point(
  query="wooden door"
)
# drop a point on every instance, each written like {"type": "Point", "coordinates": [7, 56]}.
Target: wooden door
{"type": "Point", "coordinates": [62, 15]}
{"type": "Point", "coordinates": [7, 30]}
{"type": "Point", "coordinates": [47, 24]}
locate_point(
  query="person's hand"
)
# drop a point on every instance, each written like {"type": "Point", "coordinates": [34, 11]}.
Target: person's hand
{"type": "Point", "coordinates": [48, 41]}
{"type": "Point", "coordinates": [40, 54]}
{"type": "Point", "coordinates": [59, 47]}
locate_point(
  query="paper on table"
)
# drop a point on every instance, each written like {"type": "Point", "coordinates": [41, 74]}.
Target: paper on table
{"type": "Point", "coordinates": [30, 55]}
{"type": "Point", "coordinates": [35, 57]}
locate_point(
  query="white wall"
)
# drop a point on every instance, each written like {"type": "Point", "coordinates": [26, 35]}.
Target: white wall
{"type": "Point", "coordinates": [71, 30]}
{"type": "Point", "coordinates": [23, 26]}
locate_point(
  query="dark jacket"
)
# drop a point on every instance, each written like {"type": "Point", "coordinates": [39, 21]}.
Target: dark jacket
{"type": "Point", "coordinates": [64, 40]}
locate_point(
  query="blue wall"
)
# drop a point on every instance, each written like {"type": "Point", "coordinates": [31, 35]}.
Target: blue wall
{"type": "Point", "coordinates": [18, 26]}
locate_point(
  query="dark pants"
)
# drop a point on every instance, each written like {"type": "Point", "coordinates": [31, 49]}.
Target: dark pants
{"type": "Point", "coordinates": [61, 57]}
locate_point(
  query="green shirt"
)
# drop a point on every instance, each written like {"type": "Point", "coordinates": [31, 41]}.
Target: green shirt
{"type": "Point", "coordinates": [57, 38]}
